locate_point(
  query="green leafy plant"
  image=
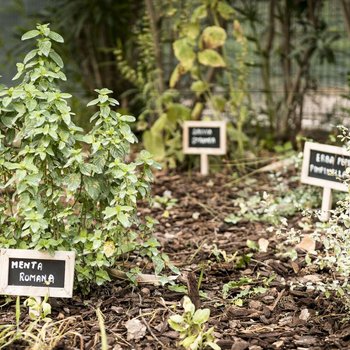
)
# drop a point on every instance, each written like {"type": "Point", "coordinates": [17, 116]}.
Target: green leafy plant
{"type": "Point", "coordinates": [161, 114]}
{"type": "Point", "coordinates": [192, 327]}
{"type": "Point", "coordinates": [245, 287]}
{"type": "Point", "coordinates": [64, 190]}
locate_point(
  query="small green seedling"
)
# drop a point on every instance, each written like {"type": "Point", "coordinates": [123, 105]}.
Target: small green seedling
{"type": "Point", "coordinates": [193, 328]}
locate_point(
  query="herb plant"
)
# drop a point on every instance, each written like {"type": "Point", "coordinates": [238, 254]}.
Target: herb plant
{"type": "Point", "coordinates": [192, 327]}
{"type": "Point", "coordinates": [63, 189]}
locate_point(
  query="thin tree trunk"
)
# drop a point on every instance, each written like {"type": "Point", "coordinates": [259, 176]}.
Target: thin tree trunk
{"type": "Point", "coordinates": [153, 18]}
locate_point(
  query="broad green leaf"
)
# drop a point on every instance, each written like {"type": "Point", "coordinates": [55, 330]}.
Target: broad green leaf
{"type": "Point", "coordinates": [199, 87]}
{"type": "Point", "coordinates": [201, 316]}
{"type": "Point", "coordinates": [45, 47]}
{"type": "Point", "coordinates": [56, 58]}
{"type": "Point", "coordinates": [184, 53]}
{"type": "Point", "coordinates": [191, 30]}
{"type": "Point", "coordinates": [109, 248]}
{"type": "Point", "coordinates": [66, 118]}
{"type": "Point", "coordinates": [211, 58]}
{"type": "Point", "coordinates": [188, 305]}
{"type": "Point", "coordinates": [6, 101]}
{"type": "Point", "coordinates": [213, 37]}
{"type": "Point", "coordinates": [188, 341]}
{"type": "Point", "coordinates": [103, 98]}
{"type": "Point", "coordinates": [56, 37]}
{"type": "Point", "coordinates": [176, 318]}
{"type": "Point", "coordinates": [199, 13]}
{"type": "Point", "coordinates": [127, 118]}
{"type": "Point", "coordinates": [176, 326]}
{"type": "Point", "coordinates": [93, 102]}
{"type": "Point", "coordinates": [30, 34]}
{"type": "Point", "coordinates": [92, 187]}
{"type": "Point", "coordinates": [159, 125]}
{"type": "Point", "coordinates": [29, 56]}
{"type": "Point", "coordinates": [197, 110]}
{"type": "Point", "coordinates": [31, 104]}
{"type": "Point", "coordinates": [73, 182]}
{"type": "Point", "coordinates": [175, 76]}
{"type": "Point", "coordinates": [225, 10]}
{"type": "Point", "coordinates": [178, 112]}
{"type": "Point", "coordinates": [123, 219]}
{"type": "Point", "coordinates": [110, 212]}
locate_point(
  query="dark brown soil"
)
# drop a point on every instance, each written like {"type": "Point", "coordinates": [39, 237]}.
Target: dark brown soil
{"type": "Point", "coordinates": [193, 233]}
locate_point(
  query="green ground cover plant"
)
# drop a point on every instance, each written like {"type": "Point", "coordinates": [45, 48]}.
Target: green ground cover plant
{"type": "Point", "coordinates": [285, 199]}
{"type": "Point", "coordinates": [66, 190]}
{"type": "Point", "coordinates": [332, 251]}
{"type": "Point", "coordinates": [192, 326]}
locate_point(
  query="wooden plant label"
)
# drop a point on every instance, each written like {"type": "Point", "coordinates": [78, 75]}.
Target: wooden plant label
{"type": "Point", "coordinates": [35, 273]}
{"type": "Point", "coordinates": [204, 138]}
{"type": "Point", "coordinates": [325, 166]}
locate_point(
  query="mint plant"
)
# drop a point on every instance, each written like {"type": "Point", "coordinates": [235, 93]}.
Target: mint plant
{"type": "Point", "coordinates": [63, 189]}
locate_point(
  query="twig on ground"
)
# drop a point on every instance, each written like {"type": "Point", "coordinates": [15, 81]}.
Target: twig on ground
{"type": "Point", "coordinates": [151, 332]}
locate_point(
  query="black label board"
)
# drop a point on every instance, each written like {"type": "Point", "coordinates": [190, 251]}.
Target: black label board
{"type": "Point", "coordinates": [204, 137]}
{"type": "Point", "coordinates": [327, 166]}
{"type": "Point", "coordinates": [36, 272]}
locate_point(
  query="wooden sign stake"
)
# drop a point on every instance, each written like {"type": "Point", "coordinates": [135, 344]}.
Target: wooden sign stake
{"type": "Point", "coordinates": [204, 164]}
{"type": "Point", "coordinates": [326, 204]}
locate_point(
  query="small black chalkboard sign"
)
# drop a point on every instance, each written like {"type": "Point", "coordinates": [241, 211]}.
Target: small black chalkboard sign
{"type": "Point", "coordinates": [328, 166]}
{"type": "Point", "coordinates": [204, 137]}
{"type": "Point", "coordinates": [325, 165]}
{"type": "Point", "coordinates": [35, 273]}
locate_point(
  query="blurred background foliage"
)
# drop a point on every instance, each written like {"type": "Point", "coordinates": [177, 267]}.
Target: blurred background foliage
{"type": "Point", "coordinates": [274, 69]}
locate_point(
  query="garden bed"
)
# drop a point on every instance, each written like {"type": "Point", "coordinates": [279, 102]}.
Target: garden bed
{"type": "Point", "coordinates": [266, 306]}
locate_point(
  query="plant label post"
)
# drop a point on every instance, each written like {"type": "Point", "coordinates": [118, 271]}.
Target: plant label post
{"type": "Point", "coordinates": [325, 166]}
{"type": "Point", "coordinates": [204, 138]}
{"type": "Point", "coordinates": [34, 273]}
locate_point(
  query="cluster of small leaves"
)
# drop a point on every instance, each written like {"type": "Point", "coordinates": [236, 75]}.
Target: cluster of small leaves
{"type": "Point", "coordinates": [273, 208]}
{"type": "Point", "coordinates": [245, 287]}
{"type": "Point", "coordinates": [64, 190]}
{"type": "Point", "coordinates": [192, 327]}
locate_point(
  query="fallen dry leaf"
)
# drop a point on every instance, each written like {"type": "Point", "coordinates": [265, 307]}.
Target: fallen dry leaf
{"type": "Point", "coordinates": [295, 267]}
{"type": "Point", "coordinates": [304, 314]}
{"type": "Point", "coordinates": [136, 329]}
{"type": "Point", "coordinates": [307, 244]}
{"type": "Point", "coordinates": [263, 244]}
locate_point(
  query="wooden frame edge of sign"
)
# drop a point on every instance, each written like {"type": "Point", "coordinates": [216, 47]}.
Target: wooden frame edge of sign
{"type": "Point", "coordinates": [306, 179]}
{"type": "Point", "coordinates": [202, 124]}
{"type": "Point", "coordinates": [65, 292]}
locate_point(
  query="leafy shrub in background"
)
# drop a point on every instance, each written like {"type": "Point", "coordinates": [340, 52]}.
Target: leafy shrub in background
{"type": "Point", "coordinates": [63, 190]}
